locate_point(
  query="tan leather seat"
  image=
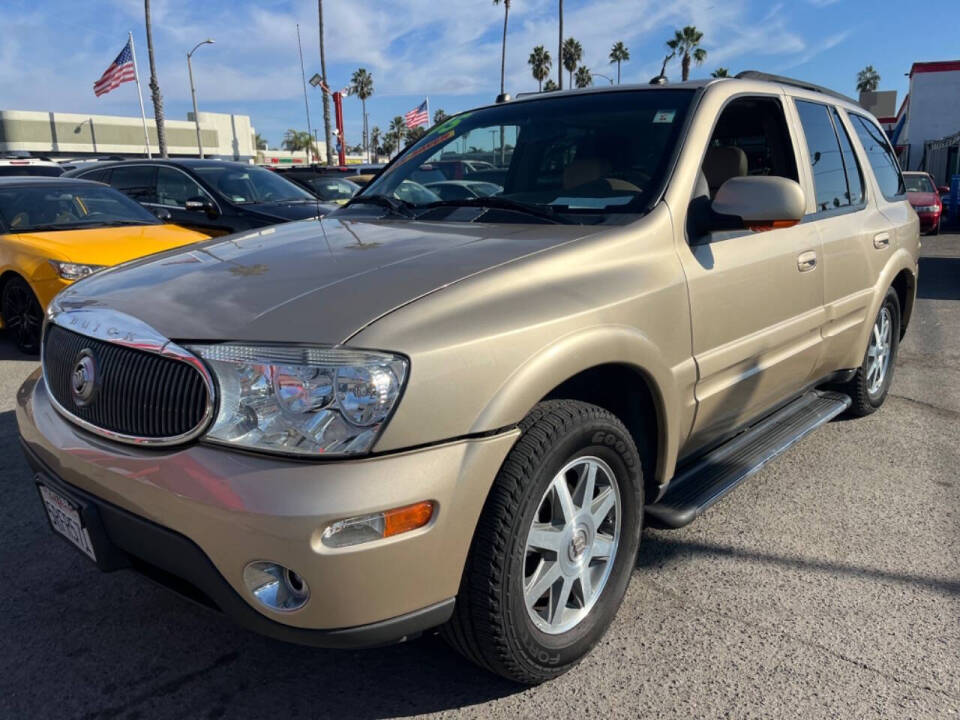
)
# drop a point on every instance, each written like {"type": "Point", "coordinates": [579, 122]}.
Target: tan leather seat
{"type": "Point", "coordinates": [723, 163]}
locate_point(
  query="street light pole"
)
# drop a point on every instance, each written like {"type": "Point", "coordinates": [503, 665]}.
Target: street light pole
{"type": "Point", "coordinates": [602, 75]}
{"type": "Point", "coordinates": [193, 92]}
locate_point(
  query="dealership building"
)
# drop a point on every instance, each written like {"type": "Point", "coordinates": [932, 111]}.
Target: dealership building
{"type": "Point", "coordinates": [926, 129]}
{"type": "Point", "coordinates": [73, 135]}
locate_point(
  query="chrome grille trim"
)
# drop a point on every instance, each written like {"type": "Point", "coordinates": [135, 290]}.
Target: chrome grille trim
{"type": "Point", "coordinates": [116, 328]}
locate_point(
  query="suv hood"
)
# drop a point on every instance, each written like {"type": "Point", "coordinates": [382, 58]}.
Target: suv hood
{"type": "Point", "coordinates": [311, 281]}
{"type": "Point", "coordinates": [295, 210]}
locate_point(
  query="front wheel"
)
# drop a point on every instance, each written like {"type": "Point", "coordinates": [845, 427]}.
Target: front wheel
{"type": "Point", "coordinates": [869, 387]}
{"type": "Point", "coordinates": [22, 315]}
{"type": "Point", "coordinates": [554, 547]}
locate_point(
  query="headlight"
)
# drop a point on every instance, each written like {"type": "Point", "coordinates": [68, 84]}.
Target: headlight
{"type": "Point", "coordinates": [74, 271]}
{"type": "Point", "coordinates": [927, 208]}
{"type": "Point", "coordinates": [302, 400]}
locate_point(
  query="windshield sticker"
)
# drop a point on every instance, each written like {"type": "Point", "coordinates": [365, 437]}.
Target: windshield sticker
{"type": "Point", "coordinates": [429, 145]}
{"type": "Point", "coordinates": [664, 116]}
{"type": "Point", "coordinates": [592, 203]}
{"type": "Point", "coordinates": [450, 123]}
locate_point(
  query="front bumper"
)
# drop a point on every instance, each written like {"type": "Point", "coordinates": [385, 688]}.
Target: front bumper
{"type": "Point", "coordinates": [928, 221]}
{"type": "Point", "coordinates": [201, 514]}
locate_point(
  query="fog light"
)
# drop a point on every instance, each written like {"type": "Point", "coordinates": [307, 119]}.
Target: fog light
{"type": "Point", "coordinates": [275, 586]}
{"type": "Point", "coordinates": [376, 526]}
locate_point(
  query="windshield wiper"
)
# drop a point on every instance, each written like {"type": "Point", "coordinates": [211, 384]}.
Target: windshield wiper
{"type": "Point", "coordinates": [400, 207]}
{"type": "Point", "coordinates": [543, 212]}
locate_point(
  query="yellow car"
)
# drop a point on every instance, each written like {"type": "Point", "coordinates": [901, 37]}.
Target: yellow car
{"type": "Point", "coordinates": [55, 231]}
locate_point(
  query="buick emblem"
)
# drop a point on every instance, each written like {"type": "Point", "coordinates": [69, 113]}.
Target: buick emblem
{"type": "Point", "coordinates": [83, 380]}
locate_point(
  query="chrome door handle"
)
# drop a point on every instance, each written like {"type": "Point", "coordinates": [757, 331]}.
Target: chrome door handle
{"type": "Point", "coordinates": [806, 261]}
{"type": "Point", "coordinates": [881, 240]}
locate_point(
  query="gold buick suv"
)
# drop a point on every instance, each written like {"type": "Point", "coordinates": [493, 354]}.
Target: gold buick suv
{"type": "Point", "coordinates": [422, 413]}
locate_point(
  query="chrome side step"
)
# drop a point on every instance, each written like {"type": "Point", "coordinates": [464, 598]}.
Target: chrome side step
{"type": "Point", "coordinates": [699, 486]}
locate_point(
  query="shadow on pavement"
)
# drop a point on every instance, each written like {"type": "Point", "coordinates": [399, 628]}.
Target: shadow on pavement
{"type": "Point", "coordinates": [657, 550]}
{"type": "Point", "coordinates": [939, 278]}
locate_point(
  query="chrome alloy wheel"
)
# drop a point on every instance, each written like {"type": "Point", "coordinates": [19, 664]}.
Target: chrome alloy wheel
{"type": "Point", "coordinates": [571, 545]}
{"type": "Point", "coordinates": [878, 352]}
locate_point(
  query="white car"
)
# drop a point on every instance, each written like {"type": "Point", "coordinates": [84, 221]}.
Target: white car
{"type": "Point", "coordinates": [29, 166]}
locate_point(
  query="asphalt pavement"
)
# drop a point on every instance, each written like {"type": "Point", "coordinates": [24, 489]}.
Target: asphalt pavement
{"type": "Point", "coordinates": [826, 586]}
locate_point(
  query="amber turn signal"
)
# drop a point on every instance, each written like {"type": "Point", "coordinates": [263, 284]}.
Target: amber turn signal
{"type": "Point", "coordinates": [364, 528]}
{"type": "Point", "coordinates": [407, 518]}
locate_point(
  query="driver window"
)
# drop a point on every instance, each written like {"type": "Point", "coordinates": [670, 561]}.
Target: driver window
{"type": "Point", "coordinates": [174, 188]}
{"type": "Point", "coordinates": [751, 138]}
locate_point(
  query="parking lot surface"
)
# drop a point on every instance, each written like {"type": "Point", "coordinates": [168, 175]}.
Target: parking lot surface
{"type": "Point", "coordinates": [828, 585]}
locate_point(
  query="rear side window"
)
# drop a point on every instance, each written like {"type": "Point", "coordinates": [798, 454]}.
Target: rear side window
{"type": "Point", "coordinates": [881, 157]}
{"type": "Point", "coordinates": [850, 163]}
{"type": "Point", "coordinates": [100, 175]}
{"type": "Point", "coordinates": [136, 181]}
{"type": "Point", "coordinates": [826, 159]}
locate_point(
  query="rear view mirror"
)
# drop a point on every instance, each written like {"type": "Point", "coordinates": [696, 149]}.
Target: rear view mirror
{"type": "Point", "coordinates": [760, 202]}
{"type": "Point", "coordinates": [201, 204]}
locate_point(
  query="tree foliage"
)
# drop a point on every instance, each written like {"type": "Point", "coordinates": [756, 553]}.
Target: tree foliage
{"type": "Point", "coordinates": [686, 43]}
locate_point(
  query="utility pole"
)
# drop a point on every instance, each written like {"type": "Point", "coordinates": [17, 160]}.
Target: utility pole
{"type": "Point", "coordinates": [193, 93]}
{"type": "Point", "coordinates": [560, 52]}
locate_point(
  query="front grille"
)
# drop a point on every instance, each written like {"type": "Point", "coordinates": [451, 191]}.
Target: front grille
{"type": "Point", "coordinates": [139, 394]}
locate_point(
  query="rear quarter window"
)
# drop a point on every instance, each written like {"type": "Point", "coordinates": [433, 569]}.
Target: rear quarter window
{"type": "Point", "coordinates": [880, 156]}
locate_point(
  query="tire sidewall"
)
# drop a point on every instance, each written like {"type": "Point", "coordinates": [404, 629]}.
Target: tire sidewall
{"type": "Point", "coordinates": [892, 303]}
{"type": "Point", "coordinates": [606, 441]}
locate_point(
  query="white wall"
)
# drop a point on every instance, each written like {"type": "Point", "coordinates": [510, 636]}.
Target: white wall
{"type": "Point", "coordinates": [934, 110]}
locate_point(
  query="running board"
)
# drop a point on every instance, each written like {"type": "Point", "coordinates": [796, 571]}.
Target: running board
{"type": "Point", "coordinates": [718, 472]}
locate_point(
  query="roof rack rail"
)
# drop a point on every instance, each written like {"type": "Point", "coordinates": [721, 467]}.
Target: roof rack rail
{"type": "Point", "coordinates": [756, 75]}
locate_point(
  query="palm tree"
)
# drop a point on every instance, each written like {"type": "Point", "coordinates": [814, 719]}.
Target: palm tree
{"type": "Point", "coordinates": [155, 84]}
{"type": "Point", "coordinates": [550, 86]}
{"type": "Point", "coordinates": [260, 142]}
{"type": "Point", "coordinates": [503, 50]}
{"type": "Point", "coordinates": [296, 140]}
{"type": "Point", "coordinates": [539, 62]}
{"type": "Point", "coordinates": [572, 55]}
{"type": "Point", "coordinates": [560, 50]}
{"type": "Point", "coordinates": [326, 99]}
{"type": "Point", "coordinates": [583, 78]}
{"type": "Point", "coordinates": [397, 128]}
{"type": "Point", "coordinates": [868, 80]}
{"type": "Point", "coordinates": [439, 116]}
{"type": "Point", "coordinates": [720, 72]}
{"type": "Point", "coordinates": [375, 140]}
{"type": "Point", "coordinates": [619, 53]}
{"type": "Point", "coordinates": [686, 42]}
{"type": "Point", "coordinates": [389, 145]}
{"type": "Point", "coordinates": [361, 85]}
{"type": "Point", "coordinates": [415, 133]}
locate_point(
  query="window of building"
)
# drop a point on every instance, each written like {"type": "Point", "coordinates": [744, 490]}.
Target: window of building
{"type": "Point", "coordinates": [880, 155]}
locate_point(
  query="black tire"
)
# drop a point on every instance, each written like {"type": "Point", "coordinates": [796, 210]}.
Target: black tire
{"type": "Point", "coordinates": [858, 388]}
{"type": "Point", "coordinates": [491, 625]}
{"type": "Point", "coordinates": [22, 315]}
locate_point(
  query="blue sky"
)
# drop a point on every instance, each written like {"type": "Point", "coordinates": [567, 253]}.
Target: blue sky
{"type": "Point", "coordinates": [53, 50]}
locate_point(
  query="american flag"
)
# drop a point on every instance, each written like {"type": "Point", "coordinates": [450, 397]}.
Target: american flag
{"type": "Point", "coordinates": [418, 116]}
{"type": "Point", "coordinates": [120, 71]}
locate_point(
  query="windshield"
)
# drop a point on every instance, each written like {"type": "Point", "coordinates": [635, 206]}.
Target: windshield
{"type": "Point", "coordinates": [26, 209]}
{"type": "Point", "coordinates": [332, 188]}
{"type": "Point", "coordinates": [246, 185]}
{"type": "Point", "coordinates": [591, 154]}
{"type": "Point", "coordinates": [918, 183]}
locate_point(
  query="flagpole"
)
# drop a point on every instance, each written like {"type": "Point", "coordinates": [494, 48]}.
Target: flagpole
{"type": "Point", "coordinates": [143, 114]}
{"type": "Point", "coordinates": [428, 111]}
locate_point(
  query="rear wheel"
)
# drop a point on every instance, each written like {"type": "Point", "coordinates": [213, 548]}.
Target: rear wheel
{"type": "Point", "coordinates": [22, 315]}
{"type": "Point", "coordinates": [870, 385]}
{"type": "Point", "coordinates": [555, 545]}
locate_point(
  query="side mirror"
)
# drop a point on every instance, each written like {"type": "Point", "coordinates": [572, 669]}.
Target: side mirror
{"type": "Point", "coordinates": [760, 202]}
{"type": "Point", "coordinates": [201, 204]}
{"type": "Point", "coordinates": [162, 213]}
{"type": "Point", "coordinates": [943, 190]}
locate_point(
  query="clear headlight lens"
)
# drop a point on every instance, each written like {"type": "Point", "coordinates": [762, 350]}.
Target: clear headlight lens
{"type": "Point", "coordinates": [302, 400]}
{"type": "Point", "coordinates": [74, 271]}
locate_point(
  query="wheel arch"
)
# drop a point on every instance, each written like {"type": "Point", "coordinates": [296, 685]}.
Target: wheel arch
{"type": "Point", "coordinates": [614, 367]}
{"type": "Point", "coordinates": [905, 285]}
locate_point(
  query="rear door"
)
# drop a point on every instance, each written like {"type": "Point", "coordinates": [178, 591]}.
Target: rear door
{"type": "Point", "coordinates": [756, 298]}
{"type": "Point", "coordinates": [848, 221]}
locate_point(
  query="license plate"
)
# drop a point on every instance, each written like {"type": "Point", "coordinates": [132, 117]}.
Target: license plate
{"type": "Point", "coordinates": [65, 519]}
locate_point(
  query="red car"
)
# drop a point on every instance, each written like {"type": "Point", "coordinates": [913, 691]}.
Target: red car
{"type": "Point", "coordinates": [923, 195]}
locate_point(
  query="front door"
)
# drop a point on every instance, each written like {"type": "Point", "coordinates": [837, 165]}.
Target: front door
{"type": "Point", "coordinates": [756, 298]}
